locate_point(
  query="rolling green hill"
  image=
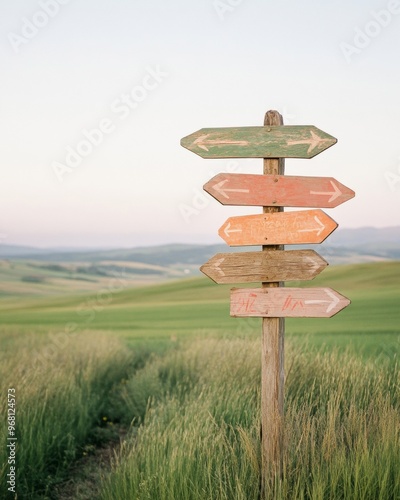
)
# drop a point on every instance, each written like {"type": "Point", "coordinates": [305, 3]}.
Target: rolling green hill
{"type": "Point", "coordinates": [45, 278]}
{"type": "Point", "coordinates": [197, 306]}
{"type": "Point", "coordinates": [363, 244]}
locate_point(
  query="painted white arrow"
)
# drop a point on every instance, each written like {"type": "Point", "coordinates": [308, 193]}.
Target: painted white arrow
{"type": "Point", "coordinates": [335, 194]}
{"type": "Point", "coordinates": [216, 266]}
{"type": "Point", "coordinates": [202, 141]}
{"type": "Point", "coordinates": [315, 264]}
{"type": "Point", "coordinates": [222, 191]}
{"type": "Point", "coordinates": [314, 141]}
{"type": "Point", "coordinates": [318, 230]}
{"type": "Point", "coordinates": [228, 231]}
{"type": "Point", "coordinates": [332, 303]}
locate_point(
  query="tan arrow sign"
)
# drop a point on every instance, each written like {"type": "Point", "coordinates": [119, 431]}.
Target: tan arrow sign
{"type": "Point", "coordinates": [286, 302]}
{"type": "Point", "coordinates": [277, 190]}
{"type": "Point", "coordinates": [286, 141]}
{"type": "Point", "coordinates": [299, 227]}
{"type": "Point", "coordinates": [248, 267]}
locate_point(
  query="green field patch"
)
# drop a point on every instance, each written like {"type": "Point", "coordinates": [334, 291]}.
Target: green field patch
{"type": "Point", "coordinates": [197, 304]}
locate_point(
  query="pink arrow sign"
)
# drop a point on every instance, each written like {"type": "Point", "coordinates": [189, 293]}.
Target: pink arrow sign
{"type": "Point", "coordinates": [286, 302]}
{"type": "Point", "coordinates": [278, 190]}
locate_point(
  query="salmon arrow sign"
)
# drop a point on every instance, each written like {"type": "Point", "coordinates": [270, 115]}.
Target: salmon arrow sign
{"type": "Point", "coordinates": [286, 141]}
{"type": "Point", "coordinates": [286, 302]}
{"type": "Point", "coordinates": [278, 190]}
{"type": "Point", "coordinates": [282, 228]}
{"type": "Point", "coordinates": [279, 265]}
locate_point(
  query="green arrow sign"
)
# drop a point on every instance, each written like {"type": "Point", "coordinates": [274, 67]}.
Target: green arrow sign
{"type": "Point", "coordinates": [297, 141]}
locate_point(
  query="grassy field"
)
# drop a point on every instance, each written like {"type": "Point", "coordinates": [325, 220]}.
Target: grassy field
{"type": "Point", "coordinates": [199, 307]}
{"type": "Point", "coordinates": [200, 434]}
{"type": "Point", "coordinates": [167, 362]}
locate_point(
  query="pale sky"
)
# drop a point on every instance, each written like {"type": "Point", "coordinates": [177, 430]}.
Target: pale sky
{"type": "Point", "coordinates": [134, 77]}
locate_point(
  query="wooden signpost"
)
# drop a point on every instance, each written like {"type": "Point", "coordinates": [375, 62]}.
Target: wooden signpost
{"type": "Point", "coordinates": [300, 227]}
{"type": "Point", "coordinates": [272, 230]}
{"type": "Point", "coordinates": [295, 141]}
{"type": "Point", "coordinates": [286, 302]}
{"type": "Point", "coordinates": [250, 267]}
{"type": "Point", "coordinates": [277, 190]}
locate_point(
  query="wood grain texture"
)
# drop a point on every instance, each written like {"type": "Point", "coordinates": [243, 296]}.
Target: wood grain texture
{"type": "Point", "coordinates": [272, 354]}
{"type": "Point", "coordinates": [278, 190]}
{"type": "Point", "coordinates": [293, 141]}
{"type": "Point", "coordinates": [286, 302]}
{"type": "Point", "coordinates": [269, 265]}
{"type": "Point", "coordinates": [298, 227]}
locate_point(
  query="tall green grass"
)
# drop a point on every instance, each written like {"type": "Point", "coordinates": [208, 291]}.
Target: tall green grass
{"type": "Point", "coordinates": [195, 409]}
{"type": "Point", "coordinates": [189, 445]}
{"type": "Point", "coordinates": [62, 387]}
{"type": "Point", "coordinates": [199, 412]}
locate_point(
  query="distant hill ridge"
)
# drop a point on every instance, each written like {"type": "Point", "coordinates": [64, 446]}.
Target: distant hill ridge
{"type": "Point", "coordinates": [343, 246]}
{"type": "Point", "coordinates": [365, 235]}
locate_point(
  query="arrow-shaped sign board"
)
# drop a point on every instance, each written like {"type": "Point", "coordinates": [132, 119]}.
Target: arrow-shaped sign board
{"type": "Point", "coordinates": [283, 228]}
{"type": "Point", "coordinates": [286, 302]}
{"type": "Point", "coordinates": [249, 267]}
{"type": "Point", "coordinates": [278, 190]}
{"type": "Point", "coordinates": [286, 141]}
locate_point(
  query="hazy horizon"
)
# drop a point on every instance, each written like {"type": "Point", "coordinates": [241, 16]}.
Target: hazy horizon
{"type": "Point", "coordinates": [121, 241]}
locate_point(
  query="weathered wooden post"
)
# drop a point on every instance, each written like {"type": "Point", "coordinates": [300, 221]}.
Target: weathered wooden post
{"type": "Point", "coordinates": [272, 354]}
{"type": "Point", "coordinates": [272, 229]}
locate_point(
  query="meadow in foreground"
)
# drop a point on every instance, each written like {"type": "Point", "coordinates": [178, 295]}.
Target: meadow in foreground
{"type": "Point", "coordinates": [193, 419]}
{"type": "Point", "coordinates": [61, 390]}
{"type": "Point", "coordinates": [183, 378]}
{"type": "Point", "coordinates": [200, 422]}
